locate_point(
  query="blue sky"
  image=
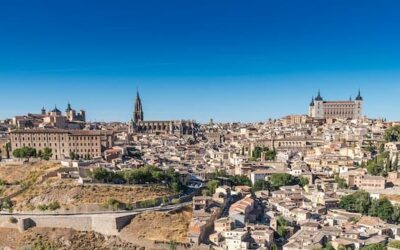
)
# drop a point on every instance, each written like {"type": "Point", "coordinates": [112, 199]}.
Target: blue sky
{"type": "Point", "coordinates": [227, 60]}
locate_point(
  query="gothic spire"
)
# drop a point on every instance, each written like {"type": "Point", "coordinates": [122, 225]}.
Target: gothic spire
{"type": "Point", "coordinates": [138, 112]}
{"type": "Point", "coordinates": [359, 97]}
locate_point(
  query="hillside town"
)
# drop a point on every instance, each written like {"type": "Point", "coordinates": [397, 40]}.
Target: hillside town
{"type": "Point", "coordinates": [326, 180]}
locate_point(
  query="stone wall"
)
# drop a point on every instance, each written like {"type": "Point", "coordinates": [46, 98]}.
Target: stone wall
{"type": "Point", "coordinates": [107, 224]}
{"type": "Point", "coordinates": [80, 223]}
{"type": "Point", "coordinates": [110, 225]}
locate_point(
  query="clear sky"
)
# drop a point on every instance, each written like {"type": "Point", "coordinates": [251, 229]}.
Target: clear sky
{"type": "Point", "coordinates": [198, 59]}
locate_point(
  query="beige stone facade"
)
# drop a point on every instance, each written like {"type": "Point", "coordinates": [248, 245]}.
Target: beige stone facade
{"type": "Point", "coordinates": [62, 142]}
{"type": "Point", "coordinates": [363, 181]}
{"type": "Point", "coordinates": [336, 109]}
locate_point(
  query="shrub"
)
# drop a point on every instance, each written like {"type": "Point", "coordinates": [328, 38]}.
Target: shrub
{"type": "Point", "coordinates": [148, 203]}
{"type": "Point", "coordinates": [394, 244]}
{"type": "Point", "coordinates": [129, 207]}
{"type": "Point", "coordinates": [43, 207]}
{"type": "Point", "coordinates": [6, 204]}
{"type": "Point", "coordinates": [13, 220]}
{"type": "Point", "coordinates": [54, 205]}
{"type": "Point", "coordinates": [112, 202]}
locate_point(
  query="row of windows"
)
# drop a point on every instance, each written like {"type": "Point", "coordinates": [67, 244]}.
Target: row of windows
{"type": "Point", "coordinates": [55, 144]}
{"type": "Point", "coordinates": [85, 150]}
{"type": "Point", "coordinates": [339, 106]}
{"type": "Point", "coordinates": [55, 138]}
{"type": "Point", "coordinates": [63, 151]}
{"type": "Point", "coordinates": [370, 185]}
{"type": "Point", "coordinates": [338, 113]}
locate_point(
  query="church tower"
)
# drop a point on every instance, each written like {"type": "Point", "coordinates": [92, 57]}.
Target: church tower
{"type": "Point", "coordinates": [319, 106]}
{"type": "Point", "coordinates": [138, 112]}
{"type": "Point", "coordinates": [358, 106]}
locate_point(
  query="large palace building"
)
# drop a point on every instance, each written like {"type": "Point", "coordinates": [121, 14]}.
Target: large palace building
{"type": "Point", "coordinates": [351, 109]}
{"type": "Point", "coordinates": [84, 143]}
{"type": "Point", "coordinates": [177, 127]}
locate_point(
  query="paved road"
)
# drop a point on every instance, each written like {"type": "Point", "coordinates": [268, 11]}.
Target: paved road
{"type": "Point", "coordinates": [119, 212]}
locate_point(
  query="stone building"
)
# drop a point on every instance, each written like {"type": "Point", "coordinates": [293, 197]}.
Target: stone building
{"type": "Point", "coordinates": [293, 143]}
{"type": "Point", "coordinates": [177, 127]}
{"type": "Point", "coordinates": [74, 116]}
{"type": "Point", "coordinates": [336, 109]}
{"type": "Point", "coordinates": [85, 143]}
{"type": "Point", "coordinates": [52, 119]}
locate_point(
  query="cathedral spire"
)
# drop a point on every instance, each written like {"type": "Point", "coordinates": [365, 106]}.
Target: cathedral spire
{"type": "Point", "coordinates": [138, 112]}
{"type": "Point", "coordinates": [312, 101]}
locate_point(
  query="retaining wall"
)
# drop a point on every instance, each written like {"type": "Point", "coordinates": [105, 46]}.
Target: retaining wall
{"type": "Point", "coordinates": [104, 224]}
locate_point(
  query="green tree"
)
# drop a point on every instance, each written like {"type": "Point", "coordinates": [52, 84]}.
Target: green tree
{"type": "Point", "coordinates": [396, 214]}
{"type": "Point", "coordinates": [101, 174]}
{"type": "Point", "coordinates": [24, 152]}
{"type": "Point", "coordinates": [256, 152]}
{"type": "Point", "coordinates": [72, 155]}
{"type": "Point", "coordinates": [8, 149]}
{"type": "Point", "coordinates": [360, 202]}
{"type": "Point", "coordinates": [40, 154]}
{"type": "Point", "coordinates": [212, 186]}
{"type": "Point", "coordinates": [206, 192]}
{"type": "Point", "coordinates": [381, 208]}
{"type": "Point", "coordinates": [396, 162]}
{"type": "Point", "coordinates": [357, 202]}
{"type": "Point", "coordinates": [377, 246]}
{"type": "Point", "coordinates": [303, 181]}
{"type": "Point", "coordinates": [241, 180]}
{"type": "Point", "coordinates": [363, 201]}
{"type": "Point", "coordinates": [374, 168]}
{"type": "Point", "coordinates": [328, 247]}
{"type": "Point", "coordinates": [341, 247]}
{"type": "Point", "coordinates": [385, 210]}
{"type": "Point", "coordinates": [392, 134]}
{"type": "Point", "coordinates": [341, 182]}
{"type": "Point", "coordinates": [281, 229]}
{"type": "Point", "coordinates": [388, 166]}
{"type": "Point", "coordinates": [282, 179]}
{"type": "Point", "coordinates": [270, 155]}
{"type": "Point", "coordinates": [47, 154]}
{"type": "Point", "coordinates": [261, 185]}
{"type": "Point", "coordinates": [175, 186]}
{"type": "Point", "coordinates": [6, 204]}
